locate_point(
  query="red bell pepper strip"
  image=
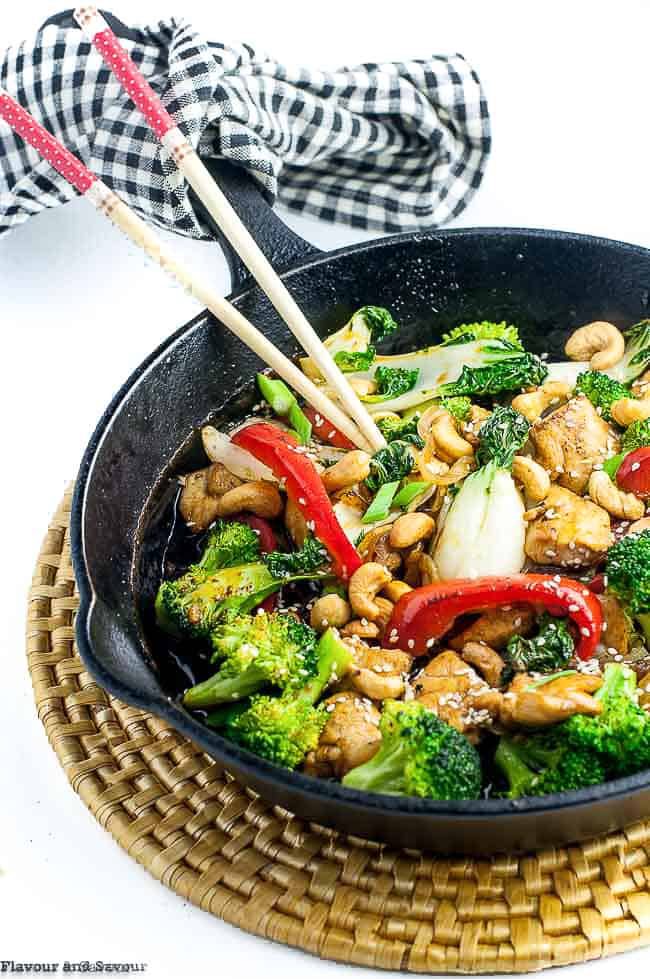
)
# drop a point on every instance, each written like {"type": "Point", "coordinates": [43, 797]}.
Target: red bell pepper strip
{"type": "Point", "coordinates": [427, 613]}
{"type": "Point", "coordinates": [633, 474]}
{"type": "Point", "coordinates": [324, 431]}
{"type": "Point", "coordinates": [279, 450]}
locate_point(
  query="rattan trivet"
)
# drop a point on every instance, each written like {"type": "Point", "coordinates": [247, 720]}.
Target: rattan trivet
{"type": "Point", "coordinates": [216, 844]}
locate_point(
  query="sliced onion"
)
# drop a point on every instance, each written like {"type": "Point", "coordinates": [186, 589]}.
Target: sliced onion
{"type": "Point", "coordinates": [219, 448]}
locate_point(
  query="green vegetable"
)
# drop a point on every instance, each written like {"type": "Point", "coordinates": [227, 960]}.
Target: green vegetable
{"type": "Point", "coordinates": [627, 571]}
{"type": "Point", "coordinates": [392, 382]}
{"type": "Point", "coordinates": [511, 374]}
{"type": "Point", "coordinates": [438, 366]}
{"type": "Point", "coordinates": [390, 465]}
{"type": "Point", "coordinates": [283, 402]}
{"type": "Point", "coordinates": [379, 320]}
{"type": "Point", "coordinates": [359, 361]}
{"type": "Point", "coordinates": [621, 734]}
{"type": "Point", "coordinates": [227, 545]}
{"type": "Point", "coordinates": [404, 429]}
{"type": "Point", "coordinates": [283, 729]}
{"type": "Point", "coordinates": [381, 505]}
{"type": "Point", "coordinates": [547, 652]}
{"type": "Point", "coordinates": [191, 605]}
{"type": "Point", "coordinates": [501, 436]}
{"type": "Point", "coordinates": [482, 331]}
{"type": "Point", "coordinates": [610, 466]}
{"type": "Point", "coordinates": [636, 436]}
{"type": "Point", "coordinates": [408, 493]}
{"type": "Point", "coordinates": [311, 557]}
{"type": "Point", "coordinates": [419, 755]}
{"type": "Point", "coordinates": [459, 407]}
{"type": "Point", "coordinates": [256, 650]}
{"type": "Point", "coordinates": [544, 763]}
{"type": "Point", "coordinates": [637, 353]}
{"type": "Point", "coordinates": [601, 390]}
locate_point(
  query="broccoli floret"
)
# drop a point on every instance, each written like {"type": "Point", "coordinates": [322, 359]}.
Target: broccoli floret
{"type": "Point", "coordinates": [283, 729]}
{"type": "Point", "coordinates": [502, 436]}
{"type": "Point", "coordinates": [311, 557]}
{"type": "Point", "coordinates": [361, 360]}
{"type": "Point", "coordinates": [637, 436]}
{"type": "Point", "coordinates": [459, 407]}
{"type": "Point", "coordinates": [627, 572]}
{"type": "Point", "coordinates": [392, 382]}
{"type": "Point", "coordinates": [390, 465]}
{"type": "Point", "coordinates": [548, 651]}
{"type": "Point", "coordinates": [191, 605]}
{"type": "Point", "coordinates": [398, 428]}
{"type": "Point", "coordinates": [227, 545]}
{"type": "Point", "coordinates": [256, 650]}
{"type": "Point", "coordinates": [482, 331]}
{"type": "Point", "coordinates": [544, 763]}
{"type": "Point", "coordinates": [419, 755]}
{"type": "Point", "coordinates": [621, 733]}
{"type": "Point", "coordinates": [601, 390]}
{"type": "Point", "coordinates": [511, 374]}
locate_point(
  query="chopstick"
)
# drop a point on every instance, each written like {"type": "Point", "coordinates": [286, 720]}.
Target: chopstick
{"type": "Point", "coordinates": [109, 204]}
{"type": "Point", "coordinates": [164, 127]}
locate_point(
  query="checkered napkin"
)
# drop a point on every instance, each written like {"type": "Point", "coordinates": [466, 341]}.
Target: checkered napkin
{"type": "Point", "coordinates": [388, 146]}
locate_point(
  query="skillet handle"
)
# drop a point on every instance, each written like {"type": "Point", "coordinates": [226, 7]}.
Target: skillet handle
{"type": "Point", "coordinates": [279, 244]}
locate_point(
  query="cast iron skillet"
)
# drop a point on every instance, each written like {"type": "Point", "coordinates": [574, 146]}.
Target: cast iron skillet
{"type": "Point", "coordinates": [547, 282]}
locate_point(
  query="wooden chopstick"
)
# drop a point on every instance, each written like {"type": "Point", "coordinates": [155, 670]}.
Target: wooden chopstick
{"type": "Point", "coordinates": [163, 125]}
{"type": "Point", "coordinates": [106, 201]}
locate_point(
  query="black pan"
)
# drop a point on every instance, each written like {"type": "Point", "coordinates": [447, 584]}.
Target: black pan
{"type": "Point", "coordinates": [545, 281]}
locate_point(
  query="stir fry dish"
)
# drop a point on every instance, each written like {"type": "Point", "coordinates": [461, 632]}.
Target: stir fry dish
{"type": "Point", "coordinates": [463, 614]}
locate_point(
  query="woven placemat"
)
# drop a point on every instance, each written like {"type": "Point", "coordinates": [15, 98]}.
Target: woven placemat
{"type": "Point", "coordinates": [256, 866]}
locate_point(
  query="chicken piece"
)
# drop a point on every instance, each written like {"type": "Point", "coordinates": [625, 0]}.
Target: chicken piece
{"type": "Point", "coordinates": [527, 705]}
{"type": "Point", "coordinates": [350, 737]}
{"type": "Point", "coordinates": [496, 626]}
{"type": "Point", "coordinates": [486, 660]}
{"type": "Point", "coordinates": [571, 441]}
{"type": "Point", "coordinates": [378, 673]}
{"type": "Point", "coordinates": [569, 531]}
{"type": "Point", "coordinates": [457, 694]}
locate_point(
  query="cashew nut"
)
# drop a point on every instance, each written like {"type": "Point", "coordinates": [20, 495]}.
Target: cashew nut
{"type": "Point", "coordinates": [533, 404]}
{"type": "Point", "coordinates": [385, 611]}
{"type": "Point", "coordinates": [351, 469]}
{"type": "Point", "coordinates": [361, 629]}
{"type": "Point", "coordinates": [394, 590]}
{"type": "Point", "coordinates": [628, 410]}
{"type": "Point", "coordinates": [410, 528]}
{"type": "Point", "coordinates": [364, 585]}
{"type": "Point", "coordinates": [295, 523]}
{"type": "Point", "coordinates": [362, 386]}
{"type": "Point", "coordinates": [448, 443]}
{"type": "Point", "coordinates": [258, 497]}
{"type": "Point", "coordinates": [601, 343]}
{"type": "Point", "coordinates": [604, 492]}
{"type": "Point", "coordinates": [330, 610]}
{"type": "Point", "coordinates": [533, 477]}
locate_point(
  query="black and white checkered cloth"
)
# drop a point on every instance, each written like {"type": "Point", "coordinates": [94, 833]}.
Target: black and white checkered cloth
{"type": "Point", "coordinates": [388, 146]}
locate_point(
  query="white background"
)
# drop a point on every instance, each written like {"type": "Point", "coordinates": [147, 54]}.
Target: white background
{"type": "Point", "coordinates": [568, 89]}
